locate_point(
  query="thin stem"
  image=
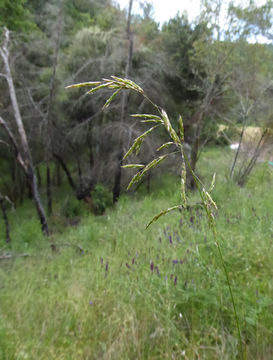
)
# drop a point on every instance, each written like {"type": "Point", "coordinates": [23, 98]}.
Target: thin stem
{"type": "Point", "coordinates": [215, 238]}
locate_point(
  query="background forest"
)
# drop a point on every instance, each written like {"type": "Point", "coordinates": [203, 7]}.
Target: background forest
{"type": "Point", "coordinates": [79, 277]}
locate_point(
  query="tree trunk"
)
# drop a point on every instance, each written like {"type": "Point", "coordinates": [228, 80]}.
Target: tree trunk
{"type": "Point", "coordinates": [243, 176]}
{"type": "Point", "coordinates": [48, 190]}
{"type": "Point", "coordinates": [66, 170]}
{"type": "Point", "coordinates": [5, 217]}
{"type": "Point", "coordinates": [239, 147]}
{"type": "Point", "coordinates": [117, 182]}
{"type": "Point", "coordinates": [57, 174]}
{"type": "Point", "coordinates": [118, 174]}
{"type": "Point", "coordinates": [24, 156]}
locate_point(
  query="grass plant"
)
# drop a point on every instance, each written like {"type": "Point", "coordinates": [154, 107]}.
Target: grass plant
{"type": "Point", "coordinates": [66, 305]}
{"type": "Point", "coordinates": [176, 139]}
{"type": "Point", "coordinates": [135, 294]}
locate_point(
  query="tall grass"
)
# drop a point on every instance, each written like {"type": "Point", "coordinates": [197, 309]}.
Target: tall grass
{"type": "Point", "coordinates": [68, 306]}
{"type": "Point", "coordinates": [154, 294]}
{"type": "Point", "coordinates": [176, 139]}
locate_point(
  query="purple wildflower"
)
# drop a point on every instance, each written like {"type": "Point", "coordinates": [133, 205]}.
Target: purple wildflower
{"type": "Point", "coordinates": [91, 303]}
{"type": "Point", "coordinates": [175, 281]}
{"type": "Point", "coordinates": [101, 260]}
{"type": "Point", "coordinates": [175, 261]}
{"type": "Point", "coordinates": [128, 266]}
{"type": "Point", "coordinates": [170, 239]}
{"type": "Point", "coordinates": [151, 266]}
{"type": "Point", "coordinates": [107, 267]}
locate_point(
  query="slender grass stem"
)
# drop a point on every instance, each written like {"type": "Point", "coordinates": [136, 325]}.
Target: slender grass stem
{"type": "Point", "coordinates": [178, 139]}
{"type": "Point", "coordinates": [215, 238]}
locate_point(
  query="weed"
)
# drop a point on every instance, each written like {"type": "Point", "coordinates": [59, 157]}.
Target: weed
{"type": "Point", "coordinates": [176, 139]}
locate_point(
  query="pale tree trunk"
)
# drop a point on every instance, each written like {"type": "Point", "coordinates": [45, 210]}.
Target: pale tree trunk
{"type": "Point", "coordinates": [23, 153]}
{"type": "Point", "coordinates": [124, 105]}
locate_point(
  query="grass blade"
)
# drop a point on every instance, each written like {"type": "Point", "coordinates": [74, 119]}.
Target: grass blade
{"type": "Point", "coordinates": [164, 212]}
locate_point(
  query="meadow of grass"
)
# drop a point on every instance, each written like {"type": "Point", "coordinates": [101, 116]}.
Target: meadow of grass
{"type": "Point", "coordinates": [144, 294]}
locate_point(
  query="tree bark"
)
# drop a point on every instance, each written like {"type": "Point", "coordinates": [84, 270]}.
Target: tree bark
{"type": "Point", "coordinates": [48, 190]}
{"type": "Point", "coordinates": [23, 154]}
{"type": "Point", "coordinates": [239, 147]}
{"type": "Point", "coordinates": [66, 170]}
{"type": "Point", "coordinates": [5, 217]}
{"type": "Point", "coordinates": [243, 176]}
{"type": "Point", "coordinates": [118, 174]}
{"type": "Point", "coordinates": [57, 174]}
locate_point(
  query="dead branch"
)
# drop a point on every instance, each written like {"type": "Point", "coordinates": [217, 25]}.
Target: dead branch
{"type": "Point", "coordinates": [10, 256]}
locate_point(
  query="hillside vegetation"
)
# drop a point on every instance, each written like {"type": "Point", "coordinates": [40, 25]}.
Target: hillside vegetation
{"type": "Point", "coordinates": [95, 97]}
{"type": "Point", "coordinates": [116, 291]}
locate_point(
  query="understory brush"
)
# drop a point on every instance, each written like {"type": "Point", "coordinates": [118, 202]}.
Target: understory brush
{"type": "Point", "coordinates": [115, 291]}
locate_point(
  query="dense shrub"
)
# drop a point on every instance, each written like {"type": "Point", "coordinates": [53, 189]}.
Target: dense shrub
{"type": "Point", "coordinates": [102, 198]}
{"type": "Point", "coordinates": [72, 207]}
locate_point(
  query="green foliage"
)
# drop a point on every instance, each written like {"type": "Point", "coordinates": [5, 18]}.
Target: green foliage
{"type": "Point", "coordinates": [72, 207]}
{"type": "Point", "coordinates": [80, 310]}
{"type": "Point", "coordinates": [253, 19]}
{"type": "Point", "coordinates": [179, 37]}
{"type": "Point", "coordinates": [102, 198]}
{"type": "Point", "coordinates": [15, 16]}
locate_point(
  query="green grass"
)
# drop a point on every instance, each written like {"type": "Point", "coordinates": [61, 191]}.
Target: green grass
{"type": "Point", "coordinates": [68, 305]}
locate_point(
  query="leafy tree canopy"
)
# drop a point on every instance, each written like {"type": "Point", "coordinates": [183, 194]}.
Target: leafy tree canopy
{"type": "Point", "coordinates": [15, 15]}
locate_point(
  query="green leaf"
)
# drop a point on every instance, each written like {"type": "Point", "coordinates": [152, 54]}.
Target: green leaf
{"type": "Point", "coordinates": [212, 183]}
{"type": "Point", "coordinates": [153, 163]}
{"type": "Point", "coordinates": [138, 141]}
{"type": "Point", "coordinates": [147, 116]}
{"type": "Point", "coordinates": [181, 128]}
{"type": "Point", "coordinates": [98, 88]}
{"type": "Point", "coordinates": [164, 212]}
{"type": "Point", "coordinates": [110, 99]}
{"type": "Point", "coordinates": [90, 83]}
{"type": "Point", "coordinates": [133, 166]}
{"type": "Point", "coordinates": [135, 179]}
{"type": "Point", "coordinates": [169, 127]}
{"type": "Point", "coordinates": [138, 176]}
{"type": "Point", "coordinates": [151, 121]}
{"type": "Point", "coordinates": [127, 84]}
{"type": "Point", "coordinates": [165, 145]}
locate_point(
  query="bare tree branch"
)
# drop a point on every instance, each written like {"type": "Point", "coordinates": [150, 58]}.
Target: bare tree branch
{"type": "Point", "coordinates": [23, 154]}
